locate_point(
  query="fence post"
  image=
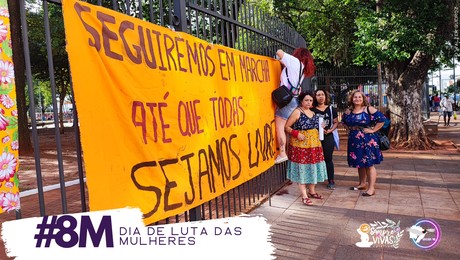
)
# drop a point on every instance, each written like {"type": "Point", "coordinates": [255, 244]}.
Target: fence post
{"type": "Point", "coordinates": [195, 214]}
{"type": "Point", "coordinates": [179, 18]}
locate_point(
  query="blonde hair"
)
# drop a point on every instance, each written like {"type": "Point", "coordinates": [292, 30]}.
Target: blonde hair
{"type": "Point", "coordinates": [352, 94]}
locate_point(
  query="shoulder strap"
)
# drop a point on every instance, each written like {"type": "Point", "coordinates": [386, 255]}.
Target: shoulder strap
{"type": "Point", "coordinates": [331, 123]}
{"type": "Point", "coordinates": [287, 76]}
{"type": "Point", "coordinates": [369, 113]}
{"type": "Point", "coordinates": [297, 88]}
{"type": "Point", "coordinates": [300, 75]}
{"type": "Point", "coordinates": [301, 110]}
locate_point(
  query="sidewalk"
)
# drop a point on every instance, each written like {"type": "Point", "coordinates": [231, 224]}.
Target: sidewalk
{"type": "Point", "coordinates": [410, 185]}
{"type": "Point", "coordinates": [451, 133]}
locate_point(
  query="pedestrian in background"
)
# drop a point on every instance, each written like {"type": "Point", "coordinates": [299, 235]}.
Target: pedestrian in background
{"type": "Point", "coordinates": [431, 102]}
{"type": "Point", "coordinates": [447, 108]}
{"type": "Point", "coordinates": [363, 121]}
{"type": "Point", "coordinates": [300, 60]}
{"type": "Point", "coordinates": [436, 102]}
{"type": "Point", "coordinates": [323, 108]}
{"type": "Point", "coordinates": [306, 164]}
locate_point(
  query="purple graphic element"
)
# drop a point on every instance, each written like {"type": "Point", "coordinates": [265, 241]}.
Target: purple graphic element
{"type": "Point", "coordinates": [425, 234]}
{"type": "Point", "coordinates": [46, 231]}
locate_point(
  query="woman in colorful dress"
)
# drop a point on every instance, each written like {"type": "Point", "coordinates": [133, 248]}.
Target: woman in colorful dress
{"type": "Point", "coordinates": [306, 164]}
{"type": "Point", "coordinates": [363, 121]}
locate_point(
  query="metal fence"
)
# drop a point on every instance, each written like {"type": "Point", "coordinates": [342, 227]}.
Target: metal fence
{"type": "Point", "coordinates": [234, 23]}
{"type": "Point", "coordinates": [340, 82]}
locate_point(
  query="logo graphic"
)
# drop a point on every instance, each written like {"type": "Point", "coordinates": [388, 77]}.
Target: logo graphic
{"type": "Point", "coordinates": [363, 231]}
{"type": "Point", "coordinates": [380, 234]}
{"type": "Point", "coordinates": [426, 233]}
{"type": "Point", "coordinates": [66, 225]}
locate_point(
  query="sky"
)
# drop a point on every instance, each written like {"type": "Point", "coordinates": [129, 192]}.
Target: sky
{"type": "Point", "coordinates": [446, 79]}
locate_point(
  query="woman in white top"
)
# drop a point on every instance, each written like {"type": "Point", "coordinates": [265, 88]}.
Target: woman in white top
{"type": "Point", "coordinates": [301, 60]}
{"type": "Point", "coordinates": [447, 108]}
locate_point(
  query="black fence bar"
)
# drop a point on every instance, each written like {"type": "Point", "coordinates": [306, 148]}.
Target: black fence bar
{"type": "Point", "coordinates": [55, 107]}
{"type": "Point", "coordinates": [28, 73]}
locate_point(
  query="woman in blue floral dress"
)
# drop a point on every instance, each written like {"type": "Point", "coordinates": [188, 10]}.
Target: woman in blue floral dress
{"type": "Point", "coordinates": [306, 164]}
{"type": "Point", "coordinates": [363, 122]}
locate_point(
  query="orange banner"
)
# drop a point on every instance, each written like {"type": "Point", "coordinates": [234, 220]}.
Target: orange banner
{"type": "Point", "coordinates": [9, 157]}
{"type": "Point", "coordinates": [168, 121]}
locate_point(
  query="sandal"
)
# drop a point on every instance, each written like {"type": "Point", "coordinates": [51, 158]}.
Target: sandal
{"type": "Point", "coordinates": [307, 201]}
{"type": "Point", "coordinates": [358, 188]}
{"type": "Point", "coordinates": [366, 194]}
{"type": "Point", "coordinates": [316, 196]}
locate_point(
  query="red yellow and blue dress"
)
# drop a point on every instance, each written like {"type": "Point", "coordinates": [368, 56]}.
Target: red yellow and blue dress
{"type": "Point", "coordinates": [306, 160]}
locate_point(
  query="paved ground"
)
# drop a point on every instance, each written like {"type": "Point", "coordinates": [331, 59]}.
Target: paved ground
{"type": "Point", "coordinates": [411, 185]}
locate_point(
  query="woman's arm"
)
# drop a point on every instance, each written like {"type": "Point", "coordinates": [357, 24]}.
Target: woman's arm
{"type": "Point", "coordinates": [334, 126]}
{"type": "Point", "coordinates": [288, 127]}
{"type": "Point", "coordinates": [344, 116]}
{"type": "Point", "coordinates": [291, 120]}
{"type": "Point", "coordinates": [376, 128]}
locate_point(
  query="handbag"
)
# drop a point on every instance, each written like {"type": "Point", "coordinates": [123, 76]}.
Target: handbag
{"type": "Point", "coordinates": [384, 141]}
{"type": "Point", "coordinates": [335, 133]}
{"type": "Point", "coordinates": [283, 95]}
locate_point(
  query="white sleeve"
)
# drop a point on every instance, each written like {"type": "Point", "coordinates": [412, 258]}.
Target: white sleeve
{"type": "Point", "coordinates": [292, 65]}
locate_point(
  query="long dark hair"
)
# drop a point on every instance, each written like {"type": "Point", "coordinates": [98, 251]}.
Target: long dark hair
{"type": "Point", "coordinates": [326, 94]}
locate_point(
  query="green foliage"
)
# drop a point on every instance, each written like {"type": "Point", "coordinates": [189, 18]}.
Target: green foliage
{"type": "Point", "coordinates": [328, 26]}
{"type": "Point", "coordinates": [39, 54]}
{"type": "Point", "coordinates": [264, 5]}
{"type": "Point", "coordinates": [42, 95]}
{"type": "Point", "coordinates": [353, 32]}
{"type": "Point", "coordinates": [400, 29]}
{"type": "Point", "coordinates": [454, 88]}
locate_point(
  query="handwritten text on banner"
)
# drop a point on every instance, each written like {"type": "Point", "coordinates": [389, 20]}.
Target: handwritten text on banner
{"type": "Point", "coordinates": [168, 121]}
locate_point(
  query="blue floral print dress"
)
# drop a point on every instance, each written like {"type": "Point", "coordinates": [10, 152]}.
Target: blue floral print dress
{"type": "Point", "coordinates": [363, 149]}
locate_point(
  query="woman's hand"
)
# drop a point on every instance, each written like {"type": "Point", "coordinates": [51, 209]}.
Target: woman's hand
{"type": "Point", "coordinates": [323, 125]}
{"type": "Point", "coordinates": [301, 137]}
{"type": "Point", "coordinates": [280, 54]}
{"type": "Point", "coordinates": [368, 131]}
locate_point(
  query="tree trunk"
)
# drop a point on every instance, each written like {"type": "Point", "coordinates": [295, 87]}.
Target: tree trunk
{"type": "Point", "coordinates": [25, 144]}
{"type": "Point", "coordinates": [405, 84]}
